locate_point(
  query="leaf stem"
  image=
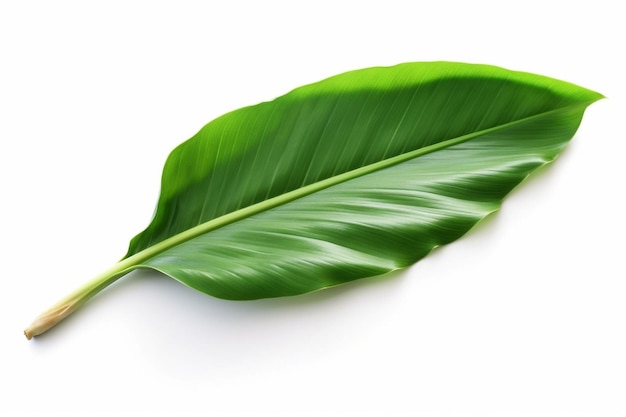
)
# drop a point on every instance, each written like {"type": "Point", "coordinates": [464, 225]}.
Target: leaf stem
{"type": "Point", "coordinates": [69, 304]}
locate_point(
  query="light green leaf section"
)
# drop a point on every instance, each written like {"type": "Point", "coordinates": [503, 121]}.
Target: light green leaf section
{"type": "Point", "coordinates": [354, 176]}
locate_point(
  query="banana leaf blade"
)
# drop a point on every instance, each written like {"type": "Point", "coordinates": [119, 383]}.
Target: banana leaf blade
{"type": "Point", "coordinates": [351, 177]}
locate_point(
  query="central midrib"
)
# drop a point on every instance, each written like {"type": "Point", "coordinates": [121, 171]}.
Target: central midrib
{"type": "Point", "coordinates": [232, 217]}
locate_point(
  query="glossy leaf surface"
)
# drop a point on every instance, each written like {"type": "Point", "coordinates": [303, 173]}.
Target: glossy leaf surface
{"type": "Point", "coordinates": [354, 176]}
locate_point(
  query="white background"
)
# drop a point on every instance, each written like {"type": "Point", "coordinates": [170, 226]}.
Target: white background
{"type": "Point", "coordinates": [525, 316]}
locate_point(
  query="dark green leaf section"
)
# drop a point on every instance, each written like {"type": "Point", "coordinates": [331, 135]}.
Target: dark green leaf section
{"type": "Point", "coordinates": [407, 158]}
{"type": "Point", "coordinates": [334, 126]}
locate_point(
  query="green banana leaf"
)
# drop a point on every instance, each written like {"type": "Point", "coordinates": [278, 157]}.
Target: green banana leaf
{"type": "Point", "coordinates": [357, 175]}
